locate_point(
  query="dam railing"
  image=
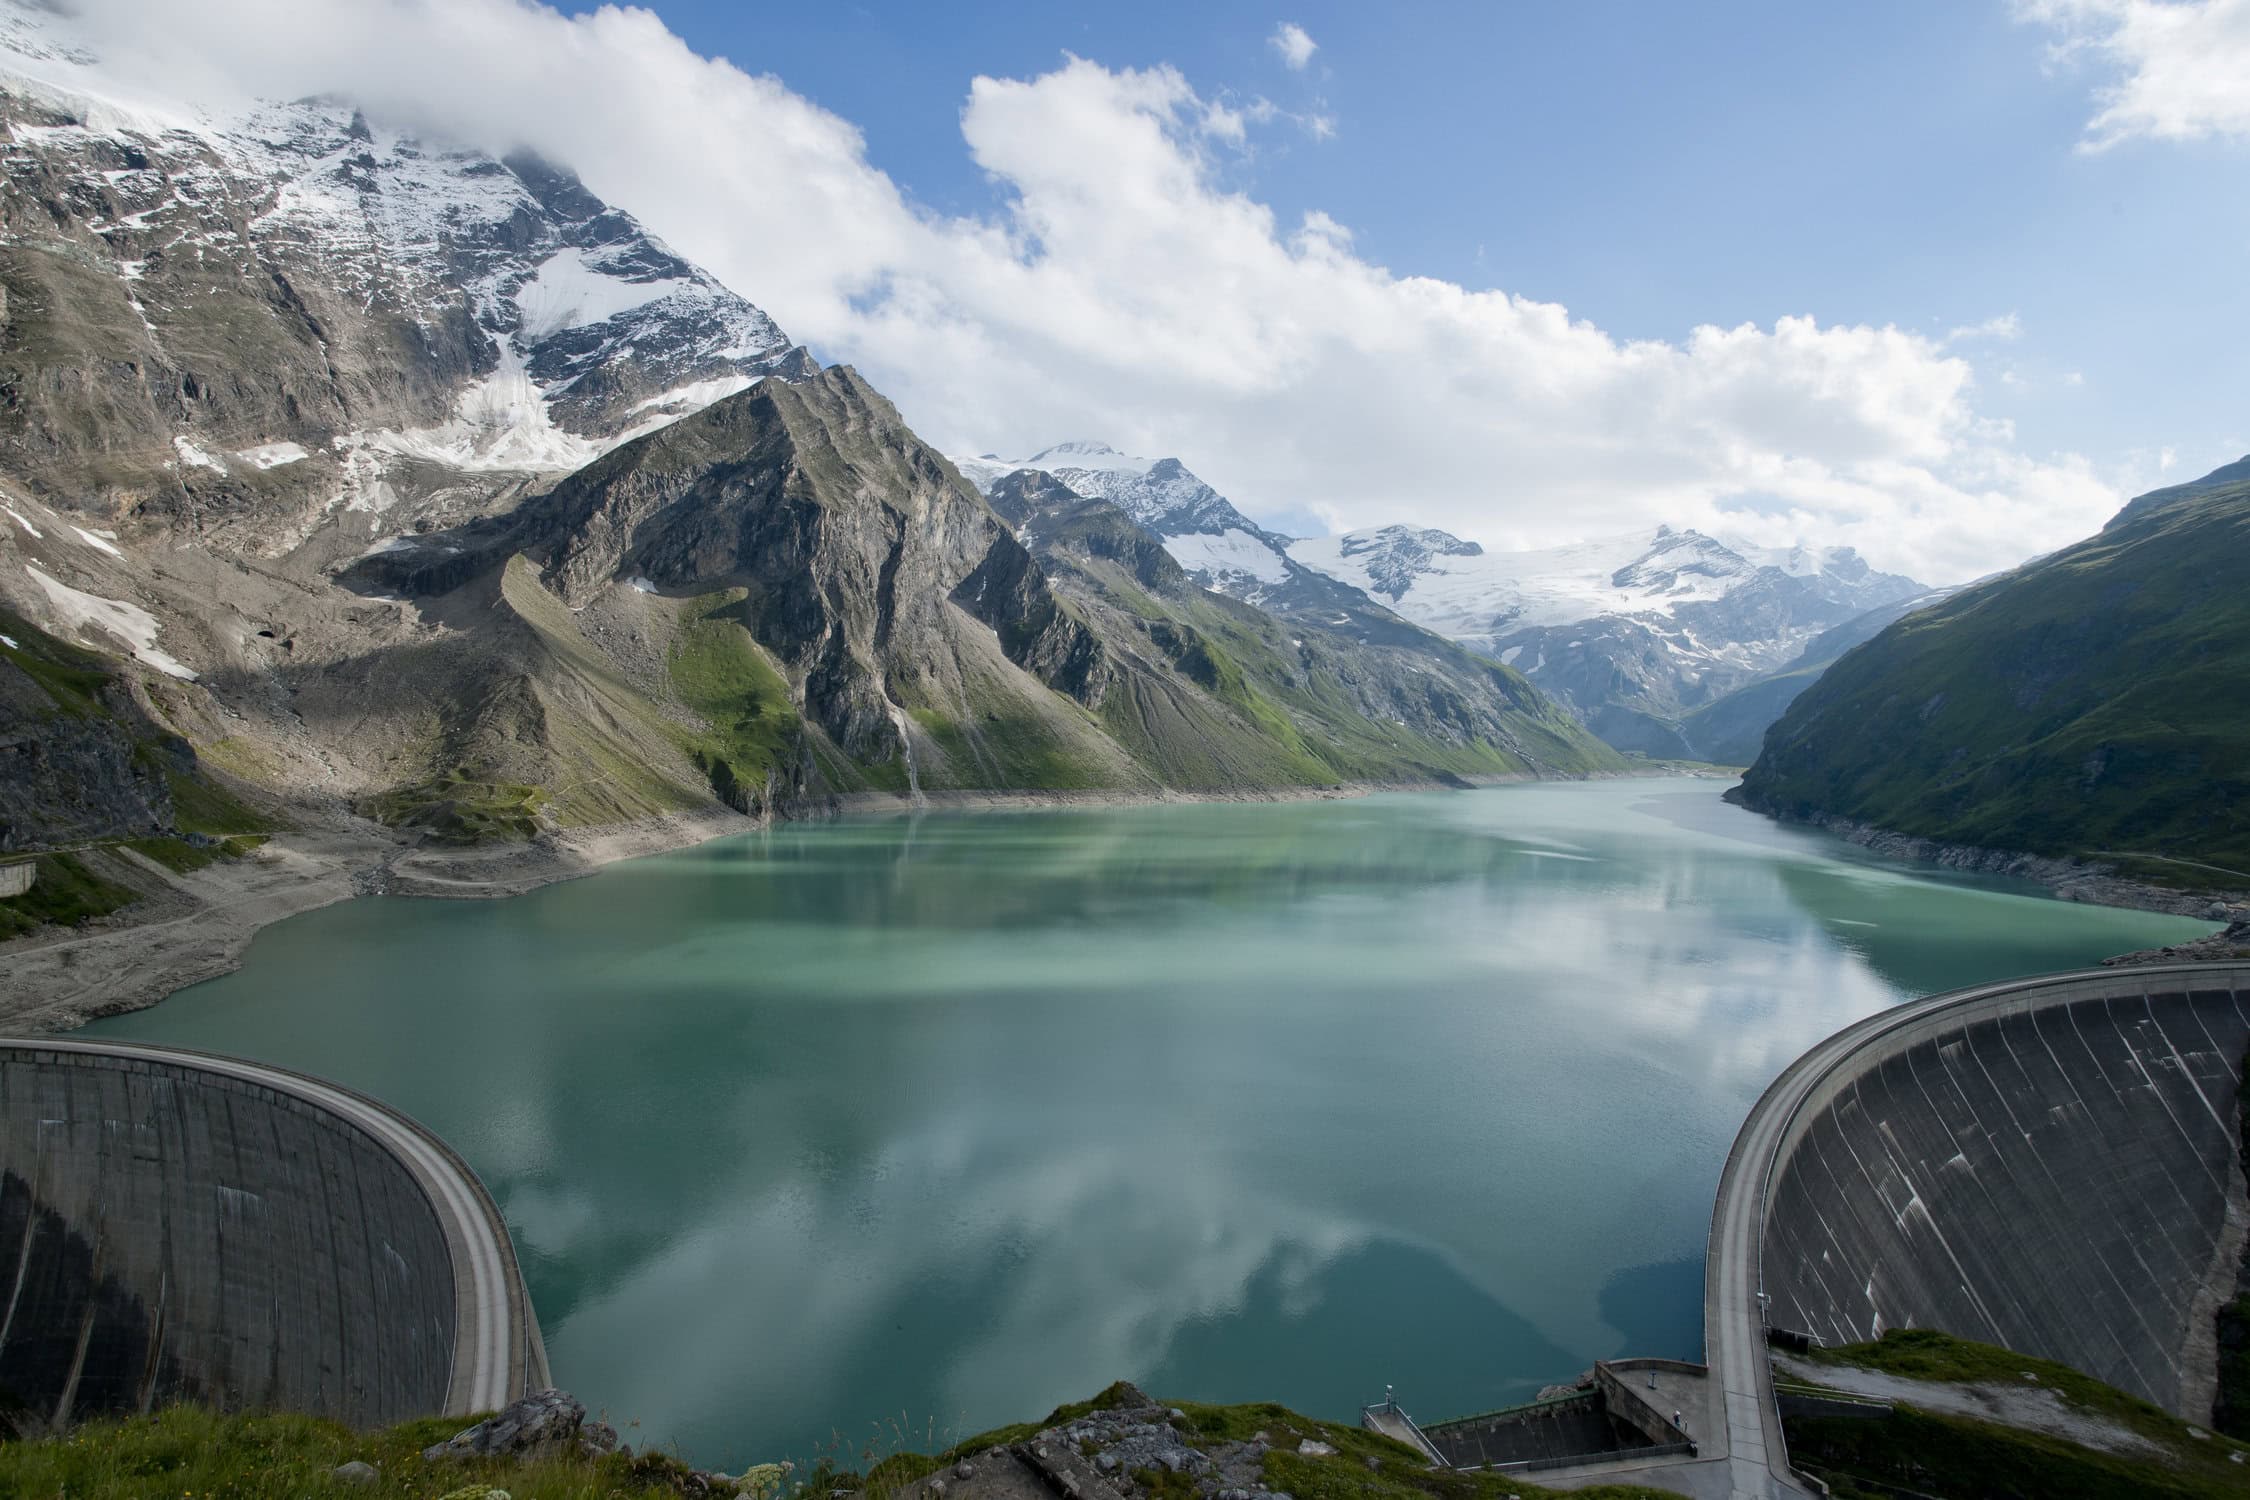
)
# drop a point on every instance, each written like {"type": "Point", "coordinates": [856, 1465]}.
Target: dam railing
{"type": "Point", "coordinates": [1390, 1419]}
{"type": "Point", "coordinates": [1590, 1460]}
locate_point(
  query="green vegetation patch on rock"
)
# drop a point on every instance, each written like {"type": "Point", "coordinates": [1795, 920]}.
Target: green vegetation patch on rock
{"type": "Point", "coordinates": [456, 809]}
{"type": "Point", "coordinates": [1913, 1452]}
{"type": "Point", "coordinates": [63, 892]}
{"type": "Point", "coordinates": [1941, 1453]}
{"type": "Point", "coordinates": [92, 765]}
{"type": "Point", "coordinates": [1261, 1442]}
{"type": "Point", "coordinates": [755, 733]}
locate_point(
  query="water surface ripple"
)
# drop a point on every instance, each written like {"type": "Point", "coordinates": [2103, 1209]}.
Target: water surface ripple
{"type": "Point", "coordinates": [815, 1136]}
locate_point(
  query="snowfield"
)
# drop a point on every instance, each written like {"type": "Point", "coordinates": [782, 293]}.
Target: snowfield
{"type": "Point", "coordinates": [1230, 552]}
{"type": "Point", "coordinates": [129, 623]}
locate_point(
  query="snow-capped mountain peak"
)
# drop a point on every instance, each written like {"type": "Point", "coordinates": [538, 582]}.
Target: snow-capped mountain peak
{"type": "Point", "coordinates": [381, 296]}
{"type": "Point", "coordinates": [1217, 545]}
{"type": "Point", "coordinates": [1393, 556]}
{"type": "Point", "coordinates": [1630, 630]}
{"type": "Point", "coordinates": [1086, 454]}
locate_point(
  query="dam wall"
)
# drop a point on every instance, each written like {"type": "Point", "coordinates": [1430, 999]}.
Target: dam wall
{"type": "Point", "coordinates": [2053, 1166]}
{"type": "Point", "coordinates": [181, 1227]}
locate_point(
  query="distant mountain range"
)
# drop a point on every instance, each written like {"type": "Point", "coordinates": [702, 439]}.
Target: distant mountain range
{"type": "Point", "coordinates": [1632, 633]}
{"type": "Point", "coordinates": [1635, 635]}
{"type": "Point", "coordinates": [2088, 704]}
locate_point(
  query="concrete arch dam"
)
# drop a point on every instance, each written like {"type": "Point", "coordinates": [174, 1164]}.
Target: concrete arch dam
{"type": "Point", "coordinates": [177, 1226]}
{"type": "Point", "coordinates": [2054, 1166]}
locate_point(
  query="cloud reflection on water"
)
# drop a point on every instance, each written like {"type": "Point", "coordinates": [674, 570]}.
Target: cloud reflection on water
{"type": "Point", "coordinates": [953, 1120]}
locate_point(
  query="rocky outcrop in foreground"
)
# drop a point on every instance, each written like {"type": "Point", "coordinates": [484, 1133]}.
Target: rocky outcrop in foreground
{"type": "Point", "coordinates": [1122, 1445]}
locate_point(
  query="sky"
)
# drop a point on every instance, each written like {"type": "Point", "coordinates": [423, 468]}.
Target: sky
{"type": "Point", "coordinates": [1946, 280]}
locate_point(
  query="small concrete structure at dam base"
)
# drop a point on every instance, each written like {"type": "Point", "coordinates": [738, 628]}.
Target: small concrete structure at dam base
{"type": "Point", "coordinates": [2053, 1165]}
{"type": "Point", "coordinates": [177, 1226]}
{"type": "Point", "coordinates": [1621, 1413]}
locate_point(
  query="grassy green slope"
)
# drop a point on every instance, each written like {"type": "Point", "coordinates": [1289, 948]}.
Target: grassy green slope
{"type": "Point", "coordinates": [1938, 1454]}
{"type": "Point", "coordinates": [2093, 703]}
{"type": "Point", "coordinates": [105, 772]}
{"type": "Point", "coordinates": [559, 734]}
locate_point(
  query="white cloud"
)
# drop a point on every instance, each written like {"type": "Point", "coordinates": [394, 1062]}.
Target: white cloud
{"type": "Point", "coordinates": [2005, 327]}
{"type": "Point", "coordinates": [1296, 48]}
{"type": "Point", "coordinates": [1124, 290]}
{"type": "Point", "coordinates": [2185, 64]}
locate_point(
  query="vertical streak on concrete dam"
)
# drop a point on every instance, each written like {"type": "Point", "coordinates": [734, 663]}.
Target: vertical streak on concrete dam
{"type": "Point", "coordinates": [2054, 1166]}
{"type": "Point", "coordinates": [175, 1226]}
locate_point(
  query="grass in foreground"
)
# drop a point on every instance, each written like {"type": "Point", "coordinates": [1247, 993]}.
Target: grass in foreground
{"type": "Point", "coordinates": [1954, 1458]}
{"type": "Point", "coordinates": [190, 1452]}
{"type": "Point", "coordinates": [1948, 1456]}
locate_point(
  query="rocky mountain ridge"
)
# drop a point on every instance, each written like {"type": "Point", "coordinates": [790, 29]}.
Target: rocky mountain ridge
{"type": "Point", "coordinates": [1213, 541]}
{"type": "Point", "coordinates": [1632, 634]}
{"type": "Point", "coordinates": [244, 323]}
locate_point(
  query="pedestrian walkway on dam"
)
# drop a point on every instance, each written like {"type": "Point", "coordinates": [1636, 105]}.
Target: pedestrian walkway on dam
{"type": "Point", "coordinates": [183, 1226]}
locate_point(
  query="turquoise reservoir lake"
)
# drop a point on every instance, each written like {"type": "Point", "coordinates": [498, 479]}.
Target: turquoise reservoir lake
{"type": "Point", "coordinates": [816, 1137]}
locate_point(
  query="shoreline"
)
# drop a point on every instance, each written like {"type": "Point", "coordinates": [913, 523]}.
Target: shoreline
{"type": "Point", "coordinates": [2065, 879]}
{"type": "Point", "coordinates": [197, 926]}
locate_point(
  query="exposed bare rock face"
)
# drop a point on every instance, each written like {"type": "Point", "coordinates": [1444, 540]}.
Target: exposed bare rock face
{"type": "Point", "coordinates": [865, 563]}
{"type": "Point", "coordinates": [80, 757]}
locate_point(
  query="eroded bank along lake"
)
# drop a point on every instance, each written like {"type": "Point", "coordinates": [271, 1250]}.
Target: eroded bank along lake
{"type": "Point", "coordinates": [928, 1125]}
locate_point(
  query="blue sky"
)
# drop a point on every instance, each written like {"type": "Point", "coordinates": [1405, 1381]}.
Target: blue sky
{"type": "Point", "coordinates": [1945, 280]}
{"type": "Point", "coordinates": [1653, 166]}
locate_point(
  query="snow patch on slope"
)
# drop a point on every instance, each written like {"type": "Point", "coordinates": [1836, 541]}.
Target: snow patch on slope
{"type": "Point", "coordinates": [190, 454]}
{"type": "Point", "coordinates": [686, 399]}
{"type": "Point", "coordinates": [98, 543]}
{"type": "Point", "coordinates": [113, 617]}
{"type": "Point", "coordinates": [273, 455]}
{"type": "Point", "coordinates": [572, 289]}
{"type": "Point", "coordinates": [1229, 552]}
{"type": "Point", "coordinates": [1083, 454]}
